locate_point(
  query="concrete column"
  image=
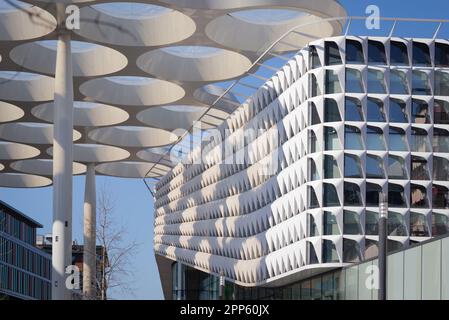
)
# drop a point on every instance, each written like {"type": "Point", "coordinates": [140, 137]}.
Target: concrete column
{"type": "Point", "coordinates": [90, 230]}
{"type": "Point", "coordinates": [62, 165]}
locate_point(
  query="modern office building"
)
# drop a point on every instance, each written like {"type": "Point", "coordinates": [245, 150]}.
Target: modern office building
{"type": "Point", "coordinates": [25, 270]}
{"type": "Point", "coordinates": [294, 191]}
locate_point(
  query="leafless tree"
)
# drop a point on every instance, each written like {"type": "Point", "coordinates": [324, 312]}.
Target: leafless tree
{"type": "Point", "coordinates": [115, 269]}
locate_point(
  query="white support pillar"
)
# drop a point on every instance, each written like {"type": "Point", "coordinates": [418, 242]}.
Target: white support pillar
{"type": "Point", "coordinates": [89, 249]}
{"type": "Point", "coordinates": [62, 164]}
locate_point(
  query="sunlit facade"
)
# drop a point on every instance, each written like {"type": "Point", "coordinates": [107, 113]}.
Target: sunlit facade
{"type": "Point", "coordinates": [354, 116]}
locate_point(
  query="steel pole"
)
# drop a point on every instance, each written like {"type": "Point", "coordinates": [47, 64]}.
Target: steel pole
{"type": "Point", "coordinates": [383, 240]}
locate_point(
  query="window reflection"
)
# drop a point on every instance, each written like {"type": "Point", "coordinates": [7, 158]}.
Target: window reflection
{"type": "Point", "coordinates": [330, 226]}
{"type": "Point", "coordinates": [440, 224]}
{"type": "Point", "coordinates": [314, 118]}
{"type": "Point", "coordinates": [441, 54]}
{"type": "Point", "coordinates": [331, 141]}
{"type": "Point", "coordinates": [353, 138]}
{"type": "Point", "coordinates": [352, 194]}
{"type": "Point", "coordinates": [314, 87]}
{"type": "Point", "coordinates": [332, 54]}
{"type": "Point", "coordinates": [330, 167]}
{"type": "Point", "coordinates": [421, 84]}
{"type": "Point", "coordinates": [372, 194]}
{"type": "Point", "coordinates": [396, 196]}
{"type": "Point", "coordinates": [313, 172]}
{"type": "Point", "coordinates": [354, 52]}
{"type": "Point", "coordinates": [313, 142]}
{"type": "Point", "coordinates": [371, 249]}
{"type": "Point", "coordinates": [354, 82]}
{"type": "Point", "coordinates": [421, 54]}
{"type": "Point", "coordinates": [440, 169]}
{"type": "Point", "coordinates": [398, 53]}
{"type": "Point", "coordinates": [351, 251]}
{"type": "Point", "coordinates": [396, 168]}
{"type": "Point", "coordinates": [440, 197]}
{"type": "Point", "coordinates": [398, 82]}
{"type": "Point", "coordinates": [418, 225]}
{"type": "Point", "coordinates": [376, 81]}
{"type": "Point", "coordinates": [418, 196]}
{"type": "Point", "coordinates": [331, 112]}
{"type": "Point", "coordinates": [376, 52]}
{"type": "Point", "coordinates": [353, 109]}
{"type": "Point", "coordinates": [353, 168]}
{"type": "Point", "coordinates": [332, 82]}
{"type": "Point", "coordinates": [420, 140]}
{"type": "Point", "coordinates": [330, 197]}
{"type": "Point", "coordinates": [441, 83]}
{"type": "Point", "coordinates": [420, 111]}
{"type": "Point", "coordinates": [441, 112]}
{"type": "Point", "coordinates": [351, 222]}
{"type": "Point", "coordinates": [398, 111]}
{"type": "Point", "coordinates": [375, 110]}
{"type": "Point", "coordinates": [396, 224]}
{"type": "Point", "coordinates": [313, 200]}
{"type": "Point", "coordinates": [375, 138]}
{"type": "Point", "coordinates": [419, 170]}
{"type": "Point", "coordinates": [371, 223]}
{"type": "Point", "coordinates": [329, 252]}
{"type": "Point", "coordinates": [374, 167]}
{"type": "Point", "coordinates": [440, 140]}
{"type": "Point", "coordinates": [397, 139]}
{"type": "Point", "coordinates": [314, 58]}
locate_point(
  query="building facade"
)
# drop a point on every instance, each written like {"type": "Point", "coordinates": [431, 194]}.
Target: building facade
{"type": "Point", "coordinates": [25, 271]}
{"type": "Point", "coordinates": [295, 190]}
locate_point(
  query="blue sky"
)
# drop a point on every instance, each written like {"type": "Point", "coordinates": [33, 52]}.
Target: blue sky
{"type": "Point", "coordinates": [134, 205]}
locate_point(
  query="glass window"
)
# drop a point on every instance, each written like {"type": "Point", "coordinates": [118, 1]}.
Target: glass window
{"type": "Point", "coordinates": [332, 82]}
{"type": "Point", "coordinates": [419, 170]}
{"type": "Point", "coordinates": [353, 109]}
{"type": "Point", "coordinates": [375, 110]}
{"type": "Point", "coordinates": [396, 196]}
{"type": "Point", "coordinates": [420, 111]}
{"type": "Point", "coordinates": [440, 224]}
{"type": "Point", "coordinates": [354, 82]}
{"type": "Point", "coordinates": [418, 225]}
{"type": "Point", "coordinates": [396, 168]}
{"type": "Point", "coordinates": [314, 87]}
{"type": "Point", "coordinates": [352, 194]}
{"type": "Point", "coordinates": [329, 252]}
{"type": "Point", "coordinates": [398, 111]}
{"type": "Point", "coordinates": [328, 287]}
{"type": "Point", "coordinates": [316, 288]}
{"type": "Point", "coordinates": [353, 138]}
{"type": "Point", "coordinates": [398, 82]}
{"type": "Point", "coordinates": [441, 83]}
{"type": "Point", "coordinates": [330, 226]}
{"type": "Point", "coordinates": [313, 142]}
{"type": "Point", "coordinates": [421, 85]}
{"type": "Point", "coordinates": [396, 224]}
{"type": "Point", "coordinates": [376, 52]}
{"type": "Point", "coordinates": [374, 167]}
{"type": "Point", "coordinates": [332, 53]}
{"type": "Point", "coordinates": [331, 112]}
{"type": "Point", "coordinates": [421, 54]}
{"type": "Point", "coordinates": [351, 253]}
{"type": "Point", "coordinates": [420, 141]}
{"type": "Point", "coordinates": [371, 223]}
{"type": "Point", "coordinates": [376, 81]}
{"type": "Point", "coordinates": [418, 196]}
{"type": "Point", "coordinates": [305, 289]}
{"type": "Point", "coordinates": [398, 53]}
{"type": "Point", "coordinates": [314, 58]}
{"type": "Point", "coordinates": [372, 194]}
{"type": "Point", "coordinates": [440, 197]}
{"type": "Point", "coordinates": [314, 118]}
{"type": "Point", "coordinates": [354, 52]}
{"type": "Point", "coordinates": [441, 112]}
{"type": "Point", "coordinates": [313, 200]}
{"type": "Point", "coordinates": [441, 54]}
{"type": "Point", "coordinates": [353, 168]}
{"type": "Point", "coordinates": [397, 139]}
{"type": "Point", "coordinates": [313, 259]}
{"type": "Point", "coordinates": [374, 138]}
{"type": "Point", "coordinates": [313, 170]}
{"type": "Point", "coordinates": [331, 141]}
{"type": "Point", "coordinates": [440, 140]}
{"type": "Point", "coordinates": [440, 169]}
{"type": "Point", "coordinates": [330, 167]}
{"type": "Point", "coordinates": [371, 249]}
{"type": "Point", "coordinates": [330, 196]}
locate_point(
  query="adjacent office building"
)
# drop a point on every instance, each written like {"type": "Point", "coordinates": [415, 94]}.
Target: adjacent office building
{"type": "Point", "coordinates": [351, 117]}
{"type": "Point", "coordinates": [25, 271]}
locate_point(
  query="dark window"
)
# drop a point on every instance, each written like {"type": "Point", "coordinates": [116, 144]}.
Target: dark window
{"type": "Point", "coordinates": [398, 53]}
{"type": "Point", "coordinates": [313, 172]}
{"type": "Point", "coordinates": [398, 111]}
{"type": "Point", "coordinates": [440, 224]}
{"type": "Point", "coordinates": [372, 194]}
{"type": "Point", "coordinates": [441, 112]}
{"type": "Point", "coordinates": [396, 195]}
{"type": "Point", "coordinates": [351, 222]}
{"type": "Point", "coordinates": [375, 110]}
{"type": "Point", "coordinates": [354, 52]}
{"type": "Point", "coordinates": [440, 140]}
{"type": "Point", "coordinates": [441, 54]}
{"type": "Point", "coordinates": [314, 58]}
{"type": "Point", "coordinates": [421, 85]}
{"type": "Point", "coordinates": [331, 112]}
{"type": "Point", "coordinates": [329, 252]}
{"type": "Point", "coordinates": [314, 87]}
{"type": "Point", "coordinates": [418, 196]}
{"type": "Point", "coordinates": [440, 169]}
{"type": "Point", "coordinates": [330, 197]}
{"type": "Point", "coordinates": [376, 52]}
{"type": "Point", "coordinates": [418, 225]}
{"type": "Point", "coordinates": [330, 167]}
{"type": "Point", "coordinates": [396, 224]}
{"type": "Point", "coordinates": [353, 109]}
{"type": "Point", "coordinates": [314, 118]}
{"type": "Point", "coordinates": [351, 251]}
{"type": "Point", "coordinates": [421, 54]}
{"type": "Point", "coordinates": [332, 54]}
{"type": "Point", "coordinates": [440, 197]}
{"type": "Point", "coordinates": [420, 111]}
{"type": "Point", "coordinates": [419, 169]}
{"type": "Point", "coordinates": [371, 223]}
{"type": "Point", "coordinates": [313, 200]}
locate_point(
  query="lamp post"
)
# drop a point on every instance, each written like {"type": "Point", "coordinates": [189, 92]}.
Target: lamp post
{"type": "Point", "coordinates": [383, 240]}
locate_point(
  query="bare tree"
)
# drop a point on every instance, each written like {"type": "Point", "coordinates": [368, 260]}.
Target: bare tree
{"type": "Point", "coordinates": [115, 269]}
